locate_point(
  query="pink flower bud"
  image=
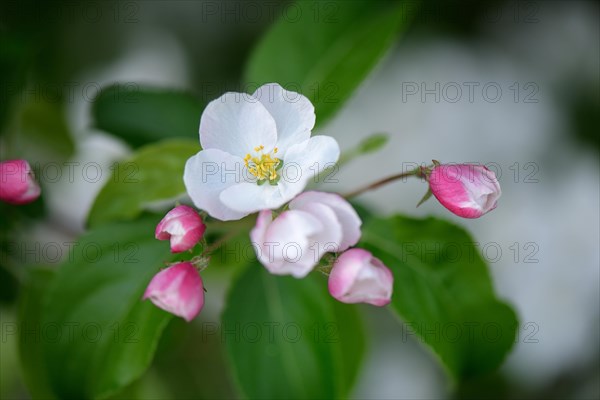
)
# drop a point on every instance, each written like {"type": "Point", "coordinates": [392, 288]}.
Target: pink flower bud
{"type": "Point", "coordinates": [358, 277]}
{"type": "Point", "coordinates": [17, 183]}
{"type": "Point", "coordinates": [468, 191]}
{"type": "Point", "coordinates": [178, 290]}
{"type": "Point", "coordinates": [183, 226]}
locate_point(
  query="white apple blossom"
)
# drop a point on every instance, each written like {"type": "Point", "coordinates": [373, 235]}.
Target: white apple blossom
{"type": "Point", "coordinates": [294, 242]}
{"type": "Point", "coordinates": [257, 152]}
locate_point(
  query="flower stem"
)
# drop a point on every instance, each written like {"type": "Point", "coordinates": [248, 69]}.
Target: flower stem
{"type": "Point", "coordinates": [326, 264]}
{"type": "Point", "coordinates": [419, 172]}
{"type": "Point", "coordinates": [323, 269]}
{"type": "Point", "coordinates": [221, 241]}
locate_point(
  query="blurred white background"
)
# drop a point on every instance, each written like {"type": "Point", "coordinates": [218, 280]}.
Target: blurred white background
{"type": "Point", "coordinates": [549, 208]}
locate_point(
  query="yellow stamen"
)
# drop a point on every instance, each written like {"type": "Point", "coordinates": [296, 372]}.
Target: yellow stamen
{"type": "Point", "coordinates": [262, 166]}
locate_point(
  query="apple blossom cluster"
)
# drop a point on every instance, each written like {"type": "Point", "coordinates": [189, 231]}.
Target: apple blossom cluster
{"type": "Point", "coordinates": [17, 182]}
{"type": "Point", "coordinates": [250, 146]}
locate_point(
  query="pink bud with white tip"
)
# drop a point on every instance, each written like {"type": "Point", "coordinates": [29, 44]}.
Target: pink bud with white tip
{"type": "Point", "coordinates": [183, 226]}
{"type": "Point", "coordinates": [177, 289]}
{"type": "Point", "coordinates": [17, 182]}
{"type": "Point", "coordinates": [468, 191]}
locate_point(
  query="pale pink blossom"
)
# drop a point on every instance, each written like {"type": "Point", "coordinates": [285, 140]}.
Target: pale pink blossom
{"type": "Point", "coordinates": [294, 242]}
{"type": "Point", "coordinates": [358, 277]}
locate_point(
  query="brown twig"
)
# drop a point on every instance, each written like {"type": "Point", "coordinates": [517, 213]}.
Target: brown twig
{"type": "Point", "coordinates": [418, 172]}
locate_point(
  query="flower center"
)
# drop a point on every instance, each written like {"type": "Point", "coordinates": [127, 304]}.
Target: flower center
{"type": "Point", "coordinates": [263, 166]}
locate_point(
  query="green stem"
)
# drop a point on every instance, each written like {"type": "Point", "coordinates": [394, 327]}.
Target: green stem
{"type": "Point", "coordinates": [326, 264]}
{"type": "Point", "coordinates": [325, 270]}
{"type": "Point", "coordinates": [221, 241]}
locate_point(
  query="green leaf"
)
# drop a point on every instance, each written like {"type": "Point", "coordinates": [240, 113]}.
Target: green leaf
{"type": "Point", "coordinates": [352, 343]}
{"type": "Point", "coordinates": [191, 359]}
{"type": "Point", "coordinates": [370, 144]}
{"type": "Point", "coordinates": [30, 343]}
{"type": "Point", "coordinates": [154, 173]}
{"type": "Point", "coordinates": [426, 197]}
{"type": "Point", "coordinates": [326, 50]}
{"type": "Point", "coordinates": [141, 115]}
{"type": "Point", "coordinates": [38, 133]}
{"type": "Point", "coordinates": [373, 143]}
{"type": "Point", "coordinates": [9, 285]}
{"type": "Point", "coordinates": [286, 338]}
{"type": "Point", "coordinates": [443, 292]}
{"type": "Point", "coordinates": [98, 335]}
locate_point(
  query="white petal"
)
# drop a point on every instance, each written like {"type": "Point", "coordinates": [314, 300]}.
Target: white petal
{"type": "Point", "coordinates": [263, 221]}
{"type": "Point", "coordinates": [292, 227]}
{"type": "Point", "coordinates": [310, 157]}
{"type": "Point", "coordinates": [290, 238]}
{"type": "Point", "coordinates": [206, 175]}
{"type": "Point", "coordinates": [248, 197]}
{"type": "Point", "coordinates": [294, 114]}
{"type": "Point", "coordinates": [257, 236]}
{"type": "Point", "coordinates": [329, 238]}
{"type": "Point", "coordinates": [236, 123]}
{"type": "Point", "coordinates": [298, 268]}
{"type": "Point", "coordinates": [348, 218]}
{"type": "Point", "coordinates": [299, 264]}
{"type": "Point", "coordinates": [292, 188]}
